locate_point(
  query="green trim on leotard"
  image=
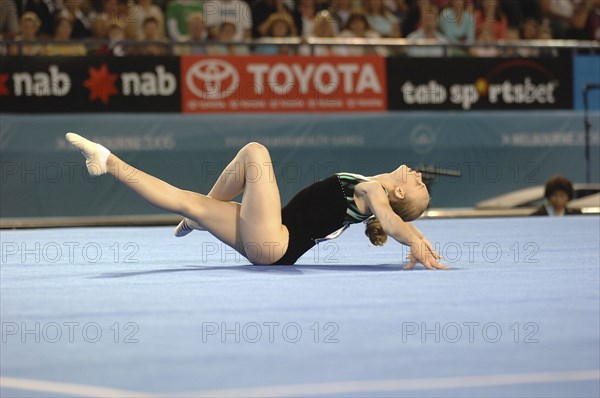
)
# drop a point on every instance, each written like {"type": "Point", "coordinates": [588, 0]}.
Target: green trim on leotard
{"type": "Point", "coordinates": [349, 181]}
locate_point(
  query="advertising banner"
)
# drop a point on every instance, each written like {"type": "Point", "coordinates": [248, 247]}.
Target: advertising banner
{"type": "Point", "coordinates": [90, 84]}
{"type": "Point", "coordinates": [479, 84]}
{"type": "Point", "coordinates": [283, 84]}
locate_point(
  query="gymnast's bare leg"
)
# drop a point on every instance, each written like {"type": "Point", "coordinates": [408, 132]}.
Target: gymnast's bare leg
{"type": "Point", "coordinates": [253, 227]}
{"type": "Point", "coordinates": [230, 184]}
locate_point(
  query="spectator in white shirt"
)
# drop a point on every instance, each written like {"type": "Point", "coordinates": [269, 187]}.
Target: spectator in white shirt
{"type": "Point", "coordinates": [428, 31]}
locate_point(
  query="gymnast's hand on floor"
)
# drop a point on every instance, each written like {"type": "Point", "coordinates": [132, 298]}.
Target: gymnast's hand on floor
{"type": "Point", "coordinates": [423, 252]}
{"type": "Point", "coordinates": [429, 247]}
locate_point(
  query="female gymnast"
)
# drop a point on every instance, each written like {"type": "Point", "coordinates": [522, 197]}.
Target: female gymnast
{"type": "Point", "coordinates": [259, 229]}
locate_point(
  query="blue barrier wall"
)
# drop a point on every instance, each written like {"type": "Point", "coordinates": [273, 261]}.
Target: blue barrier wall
{"type": "Point", "coordinates": [586, 69]}
{"type": "Point", "coordinates": [495, 151]}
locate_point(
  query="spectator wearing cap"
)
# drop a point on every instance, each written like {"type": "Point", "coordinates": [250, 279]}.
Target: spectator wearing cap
{"type": "Point", "coordinates": [324, 27]}
{"type": "Point", "coordinates": [44, 9]}
{"type": "Point", "coordinates": [557, 194]}
{"type": "Point", "coordinates": [261, 15]}
{"type": "Point", "coordinates": [30, 25]}
{"type": "Point", "coordinates": [279, 25]}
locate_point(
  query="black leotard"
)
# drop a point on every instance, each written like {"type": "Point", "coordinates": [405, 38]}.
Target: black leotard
{"type": "Point", "coordinates": [317, 211]}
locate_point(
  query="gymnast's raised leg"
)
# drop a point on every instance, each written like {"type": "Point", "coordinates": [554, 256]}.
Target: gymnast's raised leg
{"type": "Point", "coordinates": [253, 227]}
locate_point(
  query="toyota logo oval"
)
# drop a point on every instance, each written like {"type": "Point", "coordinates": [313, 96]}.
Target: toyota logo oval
{"type": "Point", "coordinates": [212, 79]}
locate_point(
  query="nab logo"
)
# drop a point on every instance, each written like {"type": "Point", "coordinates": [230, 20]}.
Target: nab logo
{"type": "Point", "coordinates": [148, 84]}
{"type": "Point", "coordinates": [102, 83]}
{"type": "Point", "coordinates": [3, 80]}
{"type": "Point", "coordinates": [212, 79]}
{"type": "Point", "coordinates": [41, 84]}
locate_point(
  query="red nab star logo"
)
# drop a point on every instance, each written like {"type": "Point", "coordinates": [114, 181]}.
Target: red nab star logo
{"type": "Point", "coordinates": [3, 80]}
{"type": "Point", "coordinates": [101, 84]}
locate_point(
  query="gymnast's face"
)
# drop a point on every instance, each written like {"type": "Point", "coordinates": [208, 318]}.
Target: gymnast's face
{"type": "Point", "coordinates": [409, 184]}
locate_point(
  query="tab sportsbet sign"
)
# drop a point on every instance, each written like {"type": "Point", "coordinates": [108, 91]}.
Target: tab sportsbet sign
{"type": "Point", "coordinates": [472, 84]}
{"type": "Point", "coordinates": [283, 84]}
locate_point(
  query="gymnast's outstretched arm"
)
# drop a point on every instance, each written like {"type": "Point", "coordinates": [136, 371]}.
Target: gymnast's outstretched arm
{"type": "Point", "coordinates": [420, 250]}
{"type": "Point", "coordinates": [424, 240]}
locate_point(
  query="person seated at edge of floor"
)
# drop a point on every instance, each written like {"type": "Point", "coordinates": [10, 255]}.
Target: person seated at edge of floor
{"type": "Point", "coordinates": [559, 191]}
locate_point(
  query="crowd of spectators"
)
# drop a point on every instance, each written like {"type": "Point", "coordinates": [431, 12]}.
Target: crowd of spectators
{"type": "Point", "coordinates": [52, 27]}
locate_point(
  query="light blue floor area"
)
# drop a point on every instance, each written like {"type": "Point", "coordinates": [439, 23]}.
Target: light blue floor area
{"type": "Point", "coordinates": [186, 316]}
